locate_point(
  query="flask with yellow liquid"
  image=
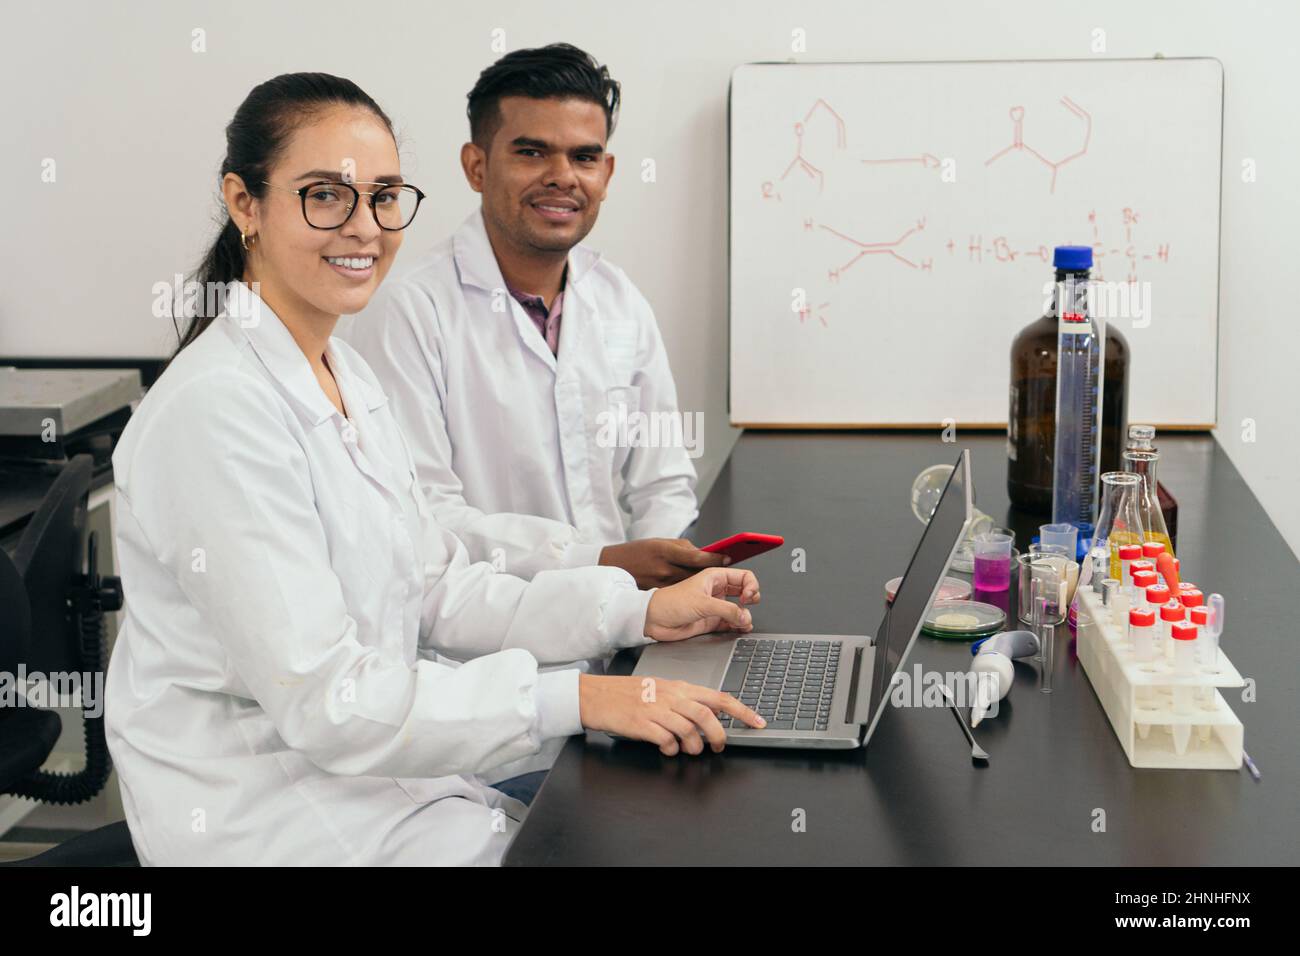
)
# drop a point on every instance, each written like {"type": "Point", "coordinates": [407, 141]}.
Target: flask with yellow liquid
{"type": "Point", "coordinates": [1120, 520]}
{"type": "Point", "coordinates": [1143, 464]}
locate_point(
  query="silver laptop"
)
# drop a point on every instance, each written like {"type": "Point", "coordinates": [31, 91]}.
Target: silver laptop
{"type": "Point", "coordinates": [823, 690]}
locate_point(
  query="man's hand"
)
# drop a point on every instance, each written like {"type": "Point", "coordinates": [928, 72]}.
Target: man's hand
{"type": "Point", "coordinates": [658, 562]}
{"type": "Point", "coordinates": [673, 714]}
{"type": "Point", "coordinates": [699, 605]}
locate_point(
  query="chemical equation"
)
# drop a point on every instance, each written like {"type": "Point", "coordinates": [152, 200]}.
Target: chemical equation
{"type": "Point", "coordinates": [826, 128]}
{"type": "Point", "coordinates": [1127, 256]}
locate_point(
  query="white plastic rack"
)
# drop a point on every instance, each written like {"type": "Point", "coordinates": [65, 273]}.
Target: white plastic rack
{"type": "Point", "coordinates": [1158, 723]}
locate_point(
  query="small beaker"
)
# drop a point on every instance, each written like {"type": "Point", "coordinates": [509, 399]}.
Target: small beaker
{"type": "Point", "coordinates": [992, 558]}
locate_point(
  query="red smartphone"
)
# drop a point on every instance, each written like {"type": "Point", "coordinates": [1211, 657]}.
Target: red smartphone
{"type": "Point", "coordinates": [745, 545]}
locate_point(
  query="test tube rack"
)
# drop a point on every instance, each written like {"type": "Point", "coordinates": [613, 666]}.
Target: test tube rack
{"type": "Point", "coordinates": [1139, 698]}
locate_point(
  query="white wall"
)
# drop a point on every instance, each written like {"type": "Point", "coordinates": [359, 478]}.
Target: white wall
{"type": "Point", "coordinates": [134, 120]}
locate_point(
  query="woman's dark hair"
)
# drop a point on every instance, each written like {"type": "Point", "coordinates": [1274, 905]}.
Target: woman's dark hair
{"type": "Point", "coordinates": [254, 140]}
{"type": "Point", "coordinates": [557, 71]}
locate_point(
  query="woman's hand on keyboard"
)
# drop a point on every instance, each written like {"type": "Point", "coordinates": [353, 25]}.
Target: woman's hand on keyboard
{"type": "Point", "coordinates": [672, 714]}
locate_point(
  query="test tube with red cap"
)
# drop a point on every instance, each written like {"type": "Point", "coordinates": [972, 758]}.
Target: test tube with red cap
{"type": "Point", "coordinates": [1141, 634]}
{"type": "Point", "coordinates": [1170, 614]}
{"type": "Point", "coordinates": [1141, 581]}
{"type": "Point", "coordinates": [1157, 595]}
{"type": "Point", "coordinates": [1203, 696]}
{"type": "Point", "coordinates": [1128, 553]}
{"type": "Point", "coordinates": [1200, 616]}
{"type": "Point", "coordinates": [1184, 640]}
{"type": "Point", "coordinates": [1152, 550]}
{"type": "Point", "coordinates": [1191, 597]}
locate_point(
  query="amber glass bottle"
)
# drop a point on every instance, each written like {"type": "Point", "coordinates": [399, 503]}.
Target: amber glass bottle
{"type": "Point", "coordinates": [1031, 420]}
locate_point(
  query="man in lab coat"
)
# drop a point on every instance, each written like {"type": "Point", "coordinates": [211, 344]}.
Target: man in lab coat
{"type": "Point", "coordinates": [528, 373]}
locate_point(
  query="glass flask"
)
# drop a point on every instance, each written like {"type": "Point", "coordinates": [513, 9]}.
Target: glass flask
{"type": "Point", "coordinates": [1120, 521]}
{"type": "Point", "coordinates": [1142, 438]}
{"type": "Point", "coordinates": [1143, 464]}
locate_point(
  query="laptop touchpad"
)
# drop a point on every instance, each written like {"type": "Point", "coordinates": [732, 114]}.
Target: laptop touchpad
{"type": "Point", "coordinates": [701, 660]}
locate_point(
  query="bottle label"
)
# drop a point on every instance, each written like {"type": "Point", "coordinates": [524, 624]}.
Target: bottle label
{"type": "Point", "coordinates": [1071, 304]}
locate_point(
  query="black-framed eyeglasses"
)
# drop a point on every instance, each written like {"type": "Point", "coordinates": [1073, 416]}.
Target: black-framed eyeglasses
{"type": "Point", "coordinates": [328, 205]}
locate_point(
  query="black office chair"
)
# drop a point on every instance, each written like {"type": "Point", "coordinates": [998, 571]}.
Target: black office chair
{"type": "Point", "coordinates": [54, 613]}
{"type": "Point", "coordinates": [27, 735]}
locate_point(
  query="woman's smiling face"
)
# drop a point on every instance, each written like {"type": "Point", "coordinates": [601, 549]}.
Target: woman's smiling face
{"type": "Point", "coordinates": [329, 272]}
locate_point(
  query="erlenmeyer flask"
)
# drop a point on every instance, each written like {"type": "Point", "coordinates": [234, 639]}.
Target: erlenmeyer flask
{"type": "Point", "coordinates": [1120, 521]}
{"type": "Point", "coordinates": [1143, 464]}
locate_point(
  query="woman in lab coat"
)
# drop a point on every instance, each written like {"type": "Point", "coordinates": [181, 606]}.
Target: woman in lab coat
{"type": "Point", "coordinates": [274, 696]}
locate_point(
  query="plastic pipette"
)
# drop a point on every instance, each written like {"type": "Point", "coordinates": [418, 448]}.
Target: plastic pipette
{"type": "Point", "coordinates": [1168, 568]}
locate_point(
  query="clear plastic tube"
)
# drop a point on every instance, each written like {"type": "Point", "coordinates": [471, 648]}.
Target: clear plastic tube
{"type": "Point", "coordinates": [1079, 373]}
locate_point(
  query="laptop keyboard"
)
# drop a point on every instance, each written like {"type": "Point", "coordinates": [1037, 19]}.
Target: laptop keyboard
{"type": "Point", "coordinates": [789, 682]}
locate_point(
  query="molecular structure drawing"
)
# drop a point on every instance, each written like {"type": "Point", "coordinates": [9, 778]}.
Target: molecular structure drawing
{"type": "Point", "coordinates": [873, 249]}
{"type": "Point", "coordinates": [1018, 143]}
{"type": "Point", "coordinates": [803, 168]}
{"type": "Point", "coordinates": [1130, 254]}
{"type": "Point", "coordinates": [800, 161]}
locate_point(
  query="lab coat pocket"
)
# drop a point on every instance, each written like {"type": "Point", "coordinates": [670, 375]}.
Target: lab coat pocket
{"type": "Point", "coordinates": [423, 789]}
{"type": "Point", "coordinates": [428, 789]}
{"type": "Point", "coordinates": [620, 338]}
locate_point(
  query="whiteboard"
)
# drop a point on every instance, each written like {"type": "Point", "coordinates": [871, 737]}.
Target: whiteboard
{"type": "Point", "coordinates": [892, 225]}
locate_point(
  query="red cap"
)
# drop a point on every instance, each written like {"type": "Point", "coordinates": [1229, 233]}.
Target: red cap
{"type": "Point", "coordinates": [1142, 564]}
{"type": "Point", "coordinates": [1145, 579]}
{"type": "Point", "coordinates": [1191, 598]}
{"type": "Point", "coordinates": [1158, 594]}
{"type": "Point", "coordinates": [1173, 611]}
{"type": "Point", "coordinates": [1186, 586]}
{"type": "Point", "coordinates": [1183, 632]}
{"type": "Point", "coordinates": [1130, 552]}
{"type": "Point", "coordinates": [1200, 616]}
{"type": "Point", "coordinates": [1152, 549]}
{"type": "Point", "coordinates": [1140, 618]}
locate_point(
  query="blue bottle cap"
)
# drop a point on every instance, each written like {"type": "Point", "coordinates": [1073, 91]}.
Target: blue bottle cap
{"type": "Point", "coordinates": [1072, 258]}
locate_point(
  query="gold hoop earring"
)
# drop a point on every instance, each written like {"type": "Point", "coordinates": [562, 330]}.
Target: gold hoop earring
{"type": "Point", "coordinates": [243, 240]}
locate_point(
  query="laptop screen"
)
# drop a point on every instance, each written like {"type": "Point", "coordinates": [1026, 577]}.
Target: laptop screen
{"type": "Point", "coordinates": [920, 584]}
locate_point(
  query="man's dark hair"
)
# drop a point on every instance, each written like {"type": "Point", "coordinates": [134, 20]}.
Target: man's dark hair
{"type": "Point", "coordinates": [556, 71]}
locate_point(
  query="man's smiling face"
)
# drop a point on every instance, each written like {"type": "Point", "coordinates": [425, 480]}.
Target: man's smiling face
{"type": "Point", "coordinates": [545, 172]}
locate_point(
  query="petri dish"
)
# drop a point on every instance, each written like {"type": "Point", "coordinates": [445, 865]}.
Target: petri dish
{"type": "Point", "coordinates": [951, 589]}
{"type": "Point", "coordinates": [963, 620]}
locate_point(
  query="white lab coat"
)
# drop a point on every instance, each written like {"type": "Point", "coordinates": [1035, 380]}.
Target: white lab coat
{"type": "Point", "coordinates": [507, 437]}
{"type": "Point", "coordinates": [274, 695]}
